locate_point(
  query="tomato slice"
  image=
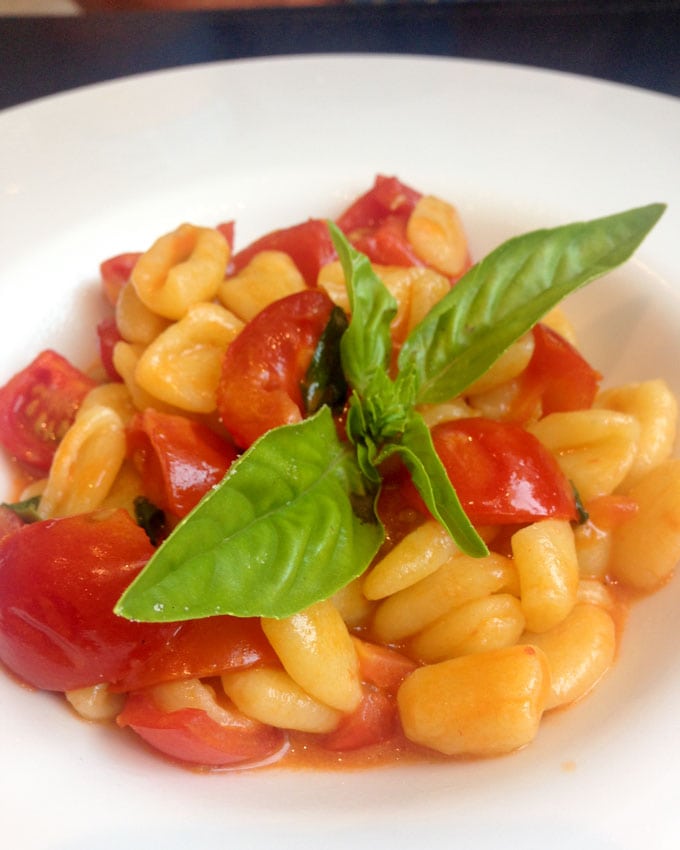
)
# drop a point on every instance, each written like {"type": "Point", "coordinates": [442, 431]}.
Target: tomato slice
{"type": "Point", "coordinates": [178, 459]}
{"type": "Point", "coordinates": [192, 735]}
{"type": "Point", "coordinates": [37, 407]}
{"type": "Point", "coordinates": [376, 222]}
{"type": "Point", "coordinates": [115, 273]}
{"type": "Point", "coordinates": [59, 582]}
{"type": "Point", "coordinates": [308, 244]}
{"type": "Point", "coordinates": [557, 378]}
{"type": "Point", "coordinates": [501, 473]}
{"type": "Point", "coordinates": [263, 368]}
{"type": "Point", "coordinates": [9, 522]}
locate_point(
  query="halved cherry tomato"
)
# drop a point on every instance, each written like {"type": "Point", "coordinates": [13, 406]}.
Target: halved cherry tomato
{"type": "Point", "coordinates": [373, 721]}
{"type": "Point", "coordinates": [376, 222]}
{"type": "Point", "coordinates": [227, 230]}
{"type": "Point", "coordinates": [263, 368]}
{"type": "Point", "coordinates": [192, 735]}
{"type": "Point", "coordinates": [108, 335]}
{"type": "Point", "coordinates": [308, 244]}
{"type": "Point", "coordinates": [179, 459]}
{"type": "Point", "coordinates": [59, 582]}
{"type": "Point", "coordinates": [9, 522]}
{"type": "Point", "coordinates": [382, 670]}
{"type": "Point", "coordinates": [37, 407]}
{"type": "Point", "coordinates": [115, 273]}
{"type": "Point", "coordinates": [501, 473]}
{"type": "Point", "coordinates": [557, 378]}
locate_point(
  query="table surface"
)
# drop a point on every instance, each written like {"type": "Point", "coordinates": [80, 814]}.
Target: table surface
{"type": "Point", "coordinates": [636, 43]}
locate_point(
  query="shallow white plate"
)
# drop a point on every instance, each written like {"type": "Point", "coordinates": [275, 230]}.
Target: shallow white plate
{"type": "Point", "coordinates": [107, 169]}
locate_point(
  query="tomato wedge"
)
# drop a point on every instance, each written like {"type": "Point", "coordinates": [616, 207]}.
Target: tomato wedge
{"type": "Point", "coordinates": [376, 222]}
{"type": "Point", "coordinates": [115, 273]}
{"type": "Point", "coordinates": [108, 336]}
{"type": "Point", "coordinates": [557, 378]}
{"type": "Point", "coordinates": [37, 407]}
{"type": "Point", "coordinates": [192, 735]}
{"type": "Point", "coordinates": [263, 368]}
{"type": "Point", "coordinates": [178, 459]}
{"type": "Point", "coordinates": [308, 244]}
{"type": "Point", "coordinates": [501, 473]}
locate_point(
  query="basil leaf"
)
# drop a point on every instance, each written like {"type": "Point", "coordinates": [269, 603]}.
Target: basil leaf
{"type": "Point", "coordinates": [324, 381]}
{"type": "Point", "coordinates": [278, 534]}
{"type": "Point", "coordinates": [429, 476]}
{"type": "Point", "coordinates": [366, 346]}
{"type": "Point", "coordinates": [505, 294]}
{"type": "Point", "coordinates": [26, 510]}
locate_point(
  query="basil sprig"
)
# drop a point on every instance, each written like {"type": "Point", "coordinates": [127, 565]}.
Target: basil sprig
{"type": "Point", "coordinates": [294, 519]}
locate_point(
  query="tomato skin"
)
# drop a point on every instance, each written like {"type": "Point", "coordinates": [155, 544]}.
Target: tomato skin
{"type": "Point", "coordinates": [191, 735]}
{"type": "Point", "coordinates": [557, 378]}
{"type": "Point", "coordinates": [37, 406]}
{"type": "Point", "coordinates": [198, 648]}
{"type": "Point", "coordinates": [115, 273]}
{"type": "Point", "coordinates": [376, 222]}
{"type": "Point", "coordinates": [108, 335]}
{"type": "Point", "coordinates": [501, 473]}
{"type": "Point", "coordinates": [373, 721]}
{"type": "Point", "coordinates": [178, 459]}
{"type": "Point", "coordinates": [263, 368]}
{"type": "Point", "coordinates": [9, 522]}
{"type": "Point", "coordinates": [59, 581]}
{"type": "Point", "coordinates": [308, 244]}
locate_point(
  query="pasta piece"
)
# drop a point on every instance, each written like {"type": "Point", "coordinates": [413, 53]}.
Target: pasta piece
{"type": "Point", "coordinates": [497, 402]}
{"type": "Point", "coordinates": [579, 650]}
{"type": "Point", "coordinates": [181, 269]}
{"type": "Point", "coordinates": [316, 650]}
{"type": "Point", "coordinates": [594, 592]}
{"type": "Point", "coordinates": [545, 557]}
{"type": "Point", "coordinates": [126, 356]}
{"type": "Point", "coordinates": [447, 411]}
{"type": "Point", "coordinates": [115, 396]}
{"type": "Point", "coordinates": [271, 696]}
{"type": "Point", "coordinates": [435, 231]}
{"type": "Point", "coordinates": [96, 702]}
{"type": "Point", "coordinates": [134, 320]}
{"type": "Point", "coordinates": [509, 365]}
{"type": "Point", "coordinates": [493, 622]}
{"type": "Point", "coordinates": [85, 464]}
{"type": "Point", "coordinates": [557, 320]}
{"type": "Point", "coordinates": [478, 705]}
{"type": "Point", "coordinates": [461, 579]}
{"type": "Point", "coordinates": [654, 406]}
{"type": "Point", "coordinates": [269, 276]}
{"type": "Point", "coordinates": [352, 605]}
{"type": "Point", "coordinates": [182, 365]}
{"type": "Point", "coordinates": [416, 556]}
{"type": "Point", "coordinates": [594, 448]}
{"type": "Point", "coordinates": [646, 548]}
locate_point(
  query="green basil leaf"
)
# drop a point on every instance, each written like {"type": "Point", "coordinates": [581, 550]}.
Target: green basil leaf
{"type": "Point", "coordinates": [324, 381]}
{"type": "Point", "coordinates": [429, 476]}
{"type": "Point", "coordinates": [26, 510]}
{"type": "Point", "coordinates": [366, 345]}
{"type": "Point", "coordinates": [287, 527]}
{"type": "Point", "coordinates": [505, 294]}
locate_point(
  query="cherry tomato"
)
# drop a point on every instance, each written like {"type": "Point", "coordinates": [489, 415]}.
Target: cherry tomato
{"type": "Point", "coordinates": [115, 273]}
{"type": "Point", "coordinates": [376, 223]}
{"type": "Point", "coordinates": [9, 522]}
{"type": "Point", "coordinates": [557, 378]}
{"type": "Point", "coordinates": [382, 670]}
{"type": "Point", "coordinates": [192, 735]}
{"type": "Point", "coordinates": [178, 459]}
{"type": "Point", "coordinates": [501, 473]}
{"type": "Point", "coordinates": [259, 387]}
{"type": "Point", "coordinates": [108, 335]}
{"type": "Point", "coordinates": [227, 230]}
{"type": "Point", "coordinates": [59, 582]}
{"type": "Point", "coordinates": [308, 244]}
{"type": "Point", "coordinates": [37, 407]}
